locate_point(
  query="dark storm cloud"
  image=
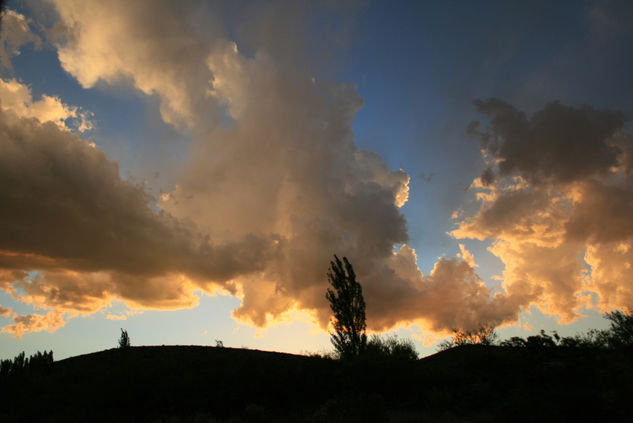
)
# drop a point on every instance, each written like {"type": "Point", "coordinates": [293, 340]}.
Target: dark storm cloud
{"type": "Point", "coordinates": [557, 144]}
{"type": "Point", "coordinates": [64, 206]}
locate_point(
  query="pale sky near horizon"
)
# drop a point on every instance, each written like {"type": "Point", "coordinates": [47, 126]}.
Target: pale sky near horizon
{"type": "Point", "coordinates": [187, 171]}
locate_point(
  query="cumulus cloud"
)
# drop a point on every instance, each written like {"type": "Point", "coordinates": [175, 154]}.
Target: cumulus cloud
{"type": "Point", "coordinates": [50, 322]}
{"type": "Point", "coordinates": [14, 33]}
{"type": "Point", "coordinates": [160, 47]}
{"type": "Point", "coordinates": [17, 97]}
{"type": "Point", "coordinates": [94, 237]}
{"type": "Point", "coordinates": [557, 144]}
{"type": "Point", "coordinates": [275, 186]}
{"type": "Point", "coordinates": [289, 166]}
{"type": "Point", "coordinates": [558, 209]}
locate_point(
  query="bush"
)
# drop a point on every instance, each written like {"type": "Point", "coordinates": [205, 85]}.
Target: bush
{"type": "Point", "coordinates": [543, 340]}
{"type": "Point", "coordinates": [619, 335]}
{"type": "Point", "coordinates": [515, 341]}
{"type": "Point", "coordinates": [485, 335]}
{"type": "Point", "coordinates": [391, 347]}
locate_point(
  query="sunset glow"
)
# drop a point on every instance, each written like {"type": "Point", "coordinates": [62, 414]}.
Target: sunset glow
{"type": "Point", "coordinates": [187, 170]}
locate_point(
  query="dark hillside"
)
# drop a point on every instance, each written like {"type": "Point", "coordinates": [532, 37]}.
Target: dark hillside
{"type": "Point", "coordinates": [209, 384]}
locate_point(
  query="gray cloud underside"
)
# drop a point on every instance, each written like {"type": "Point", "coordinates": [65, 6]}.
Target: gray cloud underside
{"type": "Point", "coordinates": [64, 206]}
{"type": "Point", "coordinates": [558, 143]}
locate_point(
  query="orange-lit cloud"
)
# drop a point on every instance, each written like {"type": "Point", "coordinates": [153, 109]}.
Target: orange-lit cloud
{"type": "Point", "coordinates": [116, 317]}
{"type": "Point", "coordinates": [16, 97]}
{"type": "Point", "coordinates": [275, 185]}
{"type": "Point", "coordinates": [159, 46]}
{"type": "Point", "coordinates": [50, 322]}
{"type": "Point", "coordinates": [92, 236]}
{"type": "Point", "coordinates": [556, 201]}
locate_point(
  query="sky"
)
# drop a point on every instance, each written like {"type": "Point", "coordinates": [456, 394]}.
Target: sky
{"type": "Point", "coordinates": [186, 171]}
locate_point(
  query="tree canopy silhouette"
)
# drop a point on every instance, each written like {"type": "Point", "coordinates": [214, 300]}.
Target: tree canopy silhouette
{"type": "Point", "coordinates": [124, 340]}
{"type": "Point", "coordinates": [348, 305]}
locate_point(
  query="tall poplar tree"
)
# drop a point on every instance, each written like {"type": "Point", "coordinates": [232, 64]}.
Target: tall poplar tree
{"type": "Point", "coordinates": [348, 306]}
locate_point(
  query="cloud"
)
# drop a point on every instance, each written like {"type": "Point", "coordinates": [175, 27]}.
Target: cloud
{"type": "Point", "coordinates": [558, 211]}
{"type": "Point", "coordinates": [14, 33]}
{"type": "Point", "coordinates": [50, 322]}
{"type": "Point", "coordinates": [557, 144]}
{"type": "Point", "coordinates": [160, 47]}
{"type": "Point", "coordinates": [5, 311]}
{"type": "Point", "coordinates": [17, 97]}
{"type": "Point", "coordinates": [94, 237]}
{"type": "Point", "coordinates": [451, 296]}
{"type": "Point", "coordinates": [274, 186]}
{"type": "Point", "coordinates": [289, 165]}
{"type": "Point", "coordinates": [116, 317]}
{"type": "Point", "coordinates": [602, 212]}
{"type": "Point", "coordinates": [467, 256]}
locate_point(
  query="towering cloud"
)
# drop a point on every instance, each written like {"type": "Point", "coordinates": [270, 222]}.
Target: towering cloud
{"type": "Point", "coordinates": [93, 237]}
{"type": "Point", "coordinates": [274, 187]}
{"type": "Point", "coordinates": [556, 200]}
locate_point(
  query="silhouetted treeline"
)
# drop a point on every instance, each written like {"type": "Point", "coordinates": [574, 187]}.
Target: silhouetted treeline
{"type": "Point", "coordinates": [618, 336]}
{"type": "Point", "coordinates": [542, 378]}
{"type": "Point", "coordinates": [37, 364]}
{"type": "Point", "coordinates": [474, 383]}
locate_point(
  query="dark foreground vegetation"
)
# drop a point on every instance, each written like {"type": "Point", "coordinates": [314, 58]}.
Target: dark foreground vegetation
{"type": "Point", "coordinates": [474, 379]}
{"type": "Point", "coordinates": [469, 383]}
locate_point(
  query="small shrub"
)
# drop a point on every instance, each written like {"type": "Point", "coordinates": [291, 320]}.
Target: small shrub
{"type": "Point", "coordinates": [515, 341]}
{"type": "Point", "coordinates": [485, 335]}
{"type": "Point", "coordinates": [391, 347]}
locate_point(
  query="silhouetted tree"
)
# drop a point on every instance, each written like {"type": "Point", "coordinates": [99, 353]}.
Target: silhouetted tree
{"type": "Point", "coordinates": [620, 334]}
{"type": "Point", "coordinates": [543, 340]}
{"type": "Point", "coordinates": [348, 305]}
{"type": "Point", "coordinates": [124, 340]}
